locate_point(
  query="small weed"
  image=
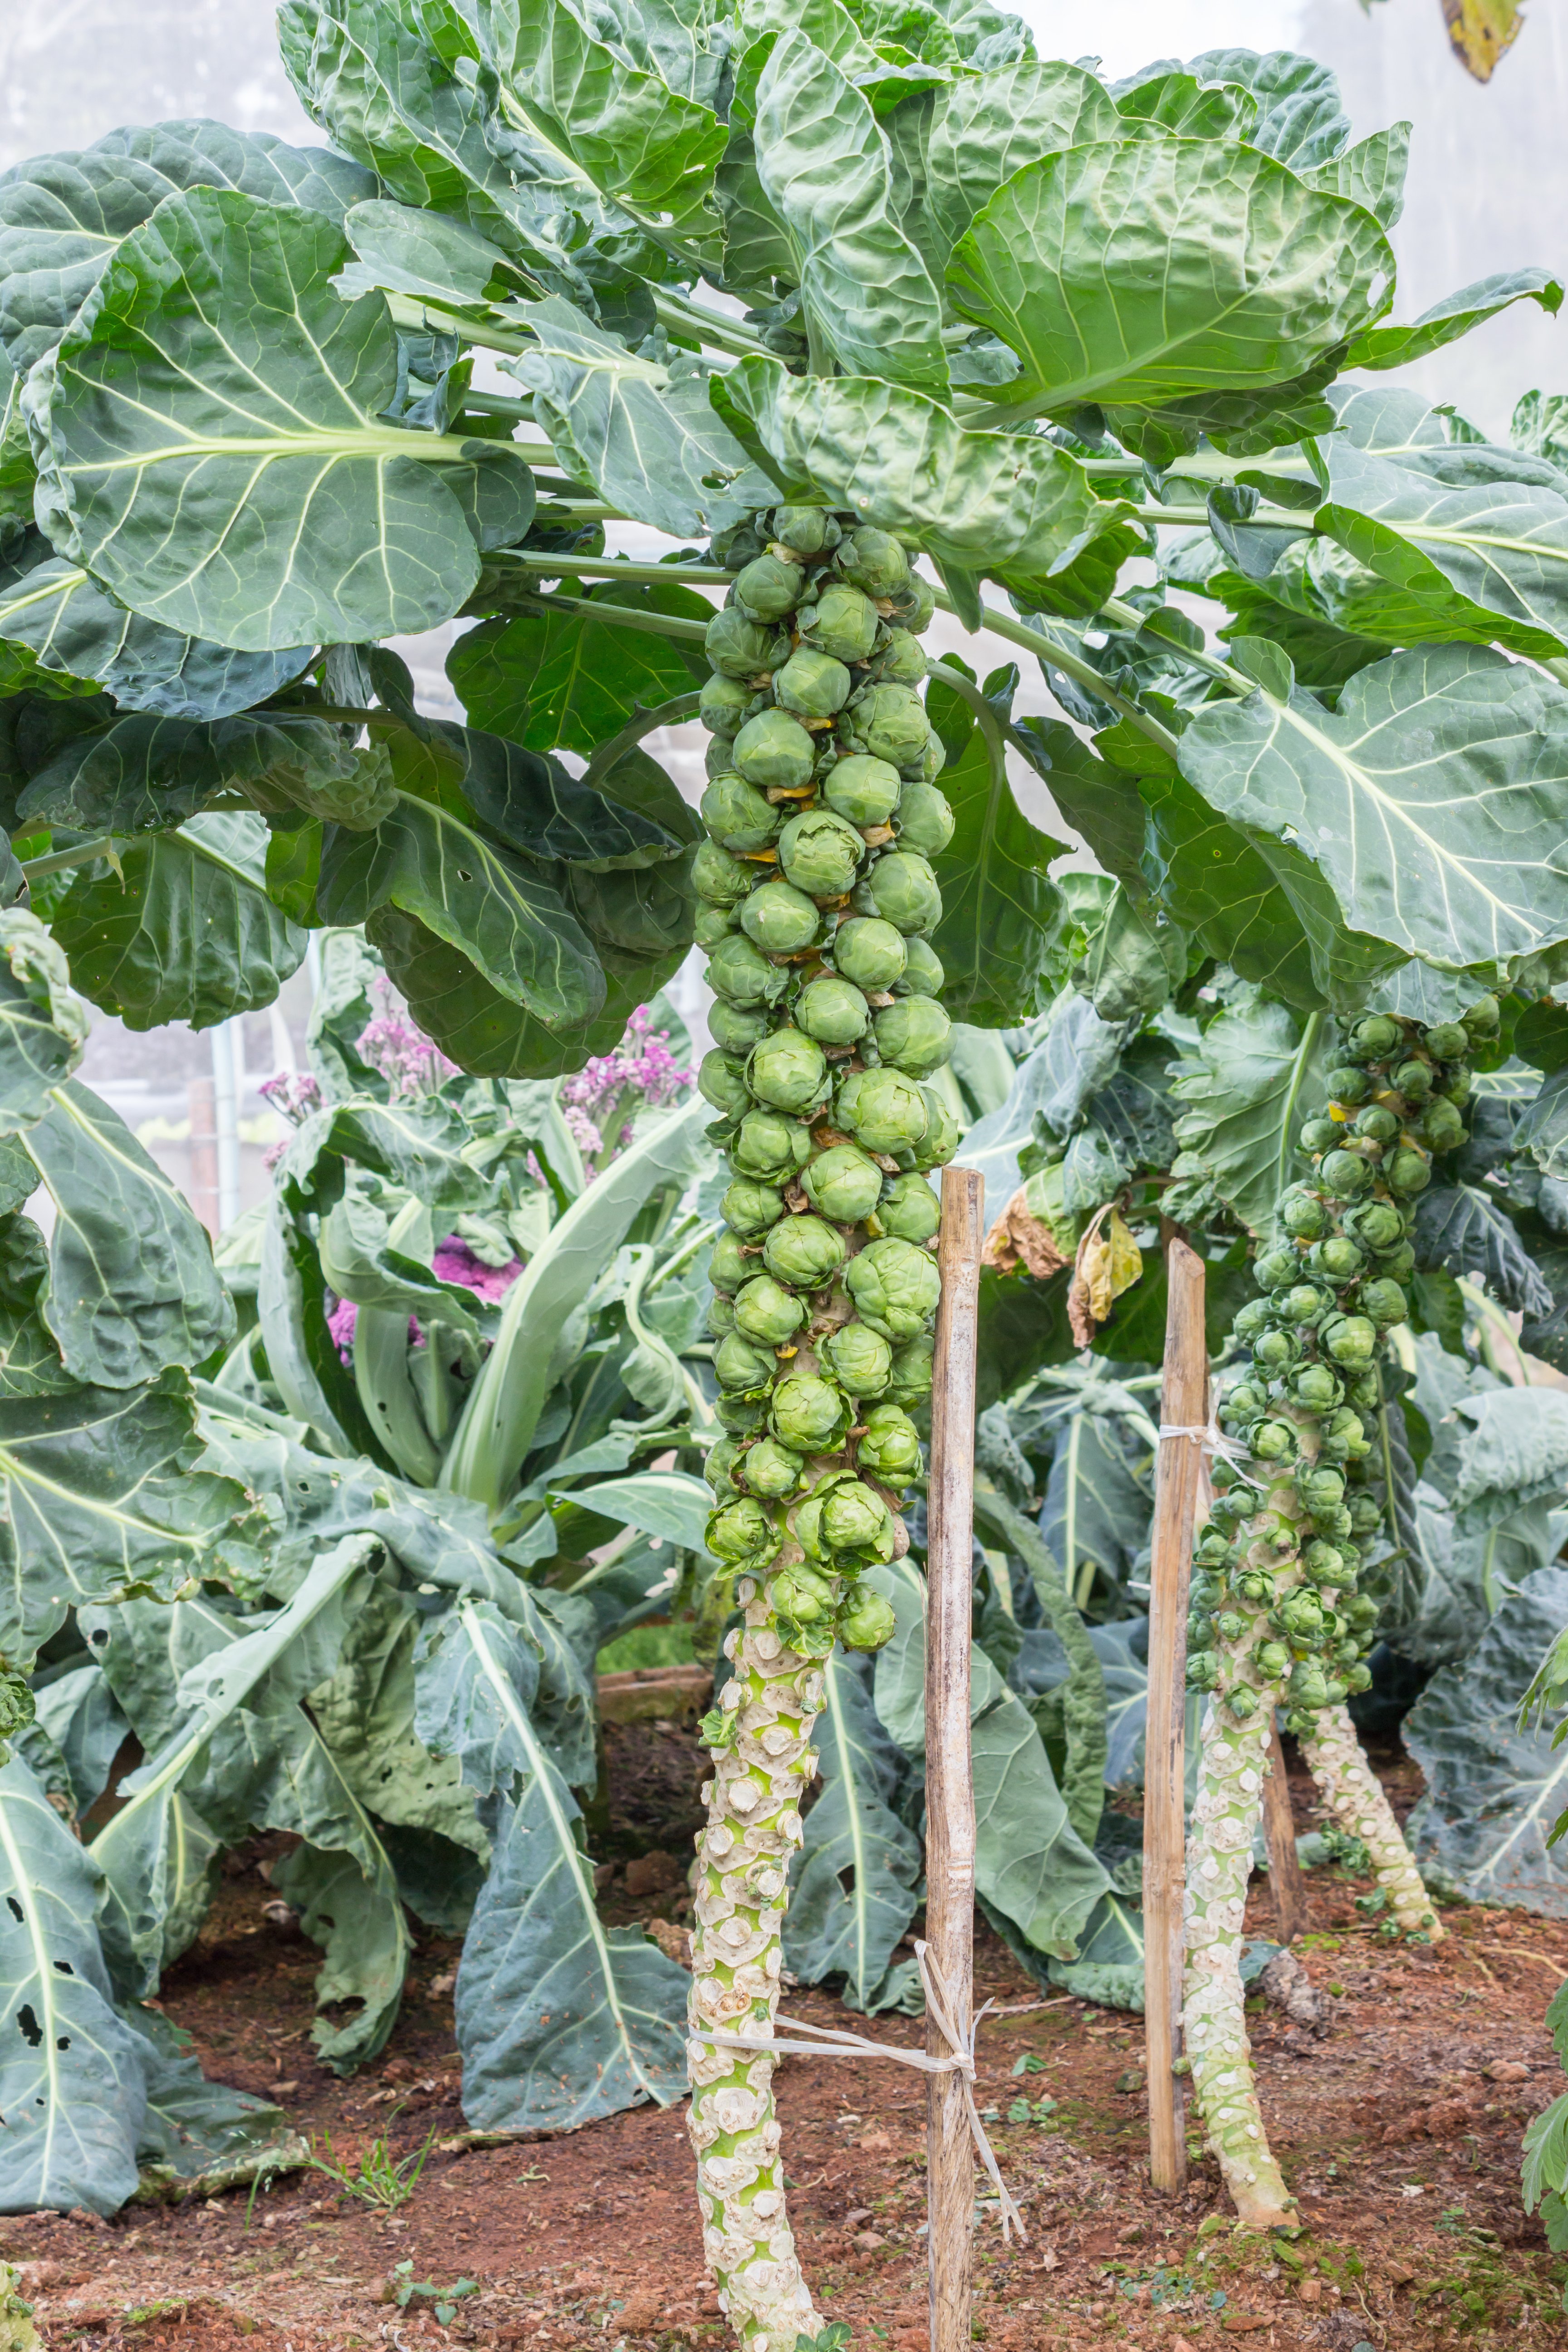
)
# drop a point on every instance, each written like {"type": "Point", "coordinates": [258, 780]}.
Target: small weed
{"type": "Point", "coordinates": [1027, 2111]}
{"type": "Point", "coordinates": [163, 2306]}
{"type": "Point", "coordinates": [1028, 2064]}
{"type": "Point", "coordinates": [443, 2300]}
{"type": "Point", "coordinates": [382, 2179]}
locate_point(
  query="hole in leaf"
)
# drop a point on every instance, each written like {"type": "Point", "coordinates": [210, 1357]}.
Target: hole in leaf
{"type": "Point", "coordinates": [32, 2031]}
{"type": "Point", "coordinates": [17, 1911]}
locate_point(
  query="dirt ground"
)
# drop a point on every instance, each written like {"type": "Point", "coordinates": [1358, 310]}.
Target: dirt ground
{"type": "Point", "coordinates": [1399, 2129]}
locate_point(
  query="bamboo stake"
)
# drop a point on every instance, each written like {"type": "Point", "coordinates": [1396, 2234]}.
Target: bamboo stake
{"type": "Point", "coordinates": [950, 1784]}
{"type": "Point", "coordinates": [1285, 1883]}
{"type": "Point", "coordinates": [1184, 1404]}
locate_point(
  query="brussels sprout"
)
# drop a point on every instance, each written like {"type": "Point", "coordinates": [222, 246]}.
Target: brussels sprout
{"type": "Point", "coordinates": [875, 561]}
{"type": "Point", "coordinates": [1276, 1268]}
{"type": "Point", "coordinates": [808, 1413]}
{"type": "Point", "coordinates": [723, 704]}
{"type": "Point", "coordinates": [860, 1359]}
{"type": "Point", "coordinates": [1374, 1039]}
{"type": "Point", "coordinates": [901, 661]}
{"type": "Point", "coordinates": [720, 1315]}
{"type": "Point", "coordinates": [806, 531]}
{"type": "Point", "coordinates": [910, 1381]}
{"type": "Point", "coordinates": [749, 1209]}
{"type": "Point", "coordinates": [780, 919]}
{"type": "Point", "coordinates": [1276, 1351]}
{"type": "Point", "coordinates": [842, 623]}
{"type": "Point", "coordinates": [769, 587]}
{"type": "Point", "coordinates": [1338, 1256]}
{"type": "Point", "coordinates": [739, 974]}
{"type": "Point", "coordinates": [743, 1366]}
{"type": "Point", "coordinates": [1242, 1703]}
{"type": "Point", "coordinates": [1484, 1018]}
{"type": "Point", "coordinates": [1321, 1489]}
{"type": "Point", "coordinates": [1304, 1302]}
{"type": "Point", "coordinates": [890, 1448]}
{"type": "Point", "coordinates": [1399, 1263]}
{"type": "Point", "coordinates": [1446, 1041]}
{"type": "Point", "coordinates": [889, 721]}
{"type": "Point", "coordinates": [882, 1109]}
{"type": "Point", "coordinates": [720, 879]}
{"type": "Point", "coordinates": [1364, 1392]}
{"type": "Point", "coordinates": [766, 1312]}
{"type": "Point", "coordinates": [1408, 1171]}
{"type": "Point", "coordinates": [1317, 1387]}
{"type": "Point", "coordinates": [843, 1517]}
{"type": "Point", "coordinates": [925, 820]}
{"type": "Point", "coordinates": [805, 1251]}
{"type": "Point", "coordinates": [895, 1286]}
{"type": "Point", "coordinates": [867, 1621]}
{"type": "Point", "coordinates": [813, 685]}
{"type": "Point", "coordinates": [901, 890]}
{"type": "Point", "coordinates": [774, 751]}
{"type": "Point", "coordinates": [914, 608]}
{"type": "Point", "coordinates": [913, 1035]}
{"type": "Point", "coordinates": [738, 648]}
{"type": "Point", "coordinates": [721, 1460]}
{"type": "Point", "coordinates": [1442, 1127]}
{"type": "Point", "coordinates": [1202, 1670]}
{"type": "Point", "coordinates": [1376, 1224]}
{"type": "Point", "coordinates": [1322, 1561]}
{"type": "Point", "coordinates": [869, 952]}
{"type": "Point", "coordinates": [1345, 1174]}
{"type": "Point", "coordinates": [727, 1267]}
{"type": "Point", "coordinates": [1252, 1320]}
{"type": "Point", "coordinates": [771, 1469]}
{"type": "Point", "coordinates": [740, 1532]}
{"type": "Point", "coordinates": [820, 852]}
{"type": "Point", "coordinates": [1454, 1084]}
{"type": "Point", "coordinates": [769, 1147]}
{"type": "Point", "coordinates": [799, 1592]}
{"type": "Point", "coordinates": [1255, 1584]}
{"type": "Point", "coordinates": [721, 1083]}
{"type": "Point", "coordinates": [741, 1415]}
{"type": "Point", "coordinates": [832, 1010]}
{"type": "Point", "coordinates": [1303, 1215]}
{"type": "Point", "coordinates": [1274, 1440]}
{"type": "Point", "coordinates": [1349, 1339]}
{"type": "Point", "coordinates": [908, 1208]}
{"type": "Point", "coordinates": [1319, 1135]}
{"type": "Point", "coordinates": [1414, 1080]}
{"type": "Point", "coordinates": [735, 546]}
{"type": "Point", "coordinates": [1232, 1510]}
{"type": "Point", "coordinates": [1377, 1123]}
{"type": "Point", "coordinates": [1383, 1302]}
{"type": "Point", "coordinates": [736, 1031]}
{"type": "Point", "coordinates": [843, 1183]}
{"type": "Point", "coordinates": [1342, 1435]}
{"type": "Point", "coordinates": [864, 791]}
{"type": "Point", "coordinates": [714, 924]}
{"type": "Point", "coordinates": [1307, 1686]}
{"type": "Point", "coordinates": [1229, 1626]}
{"type": "Point", "coordinates": [736, 815]}
{"type": "Point", "coordinates": [923, 973]}
{"type": "Point", "coordinates": [1348, 1085]}
{"type": "Point", "coordinates": [788, 1070]}
{"type": "Point", "coordinates": [940, 1141]}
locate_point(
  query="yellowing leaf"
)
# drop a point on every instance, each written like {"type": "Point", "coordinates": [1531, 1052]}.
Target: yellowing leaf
{"type": "Point", "coordinates": [1481, 31]}
{"type": "Point", "coordinates": [1126, 1259]}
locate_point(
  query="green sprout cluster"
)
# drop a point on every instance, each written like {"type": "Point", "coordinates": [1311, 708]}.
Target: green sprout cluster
{"type": "Point", "coordinates": [1276, 1617]}
{"type": "Point", "coordinates": [818, 896]}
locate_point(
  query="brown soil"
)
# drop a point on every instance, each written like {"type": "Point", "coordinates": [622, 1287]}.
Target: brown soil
{"type": "Point", "coordinates": [1400, 2131]}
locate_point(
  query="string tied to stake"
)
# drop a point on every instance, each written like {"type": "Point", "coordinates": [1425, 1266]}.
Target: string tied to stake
{"type": "Point", "coordinates": [1213, 1440]}
{"type": "Point", "coordinates": [837, 2042]}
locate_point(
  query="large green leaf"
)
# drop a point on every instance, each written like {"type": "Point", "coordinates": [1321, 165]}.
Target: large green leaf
{"type": "Point", "coordinates": [43, 1027]}
{"type": "Point", "coordinates": [854, 1891]}
{"type": "Point", "coordinates": [1256, 1076]}
{"type": "Point", "coordinates": [559, 2018]}
{"type": "Point", "coordinates": [1388, 347]}
{"type": "Point", "coordinates": [1432, 801]}
{"type": "Point", "coordinates": [988, 126]}
{"type": "Point", "coordinates": [642, 431]}
{"type": "Point", "coordinates": [64, 620]}
{"type": "Point", "coordinates": [1211, 879]}
{"type": "Point", "coordinates": [1302, 119]}
{"type": "Point", "coordinates": [133, 1287]}
{"type": "Point", "coordinates": [557, 679]}
{"type": "Point", "coordinates": [63, 217]}
{"type": "Point", "coordinates": [1494, 1791]}
{"type": "Point", "coordinates": [1083, 1713]}
{"type": "Point", "coordinates": [1010, 508]}
{"type": "Point", "coordinates": [996, 937]}
{"type": "Point", "coordinates": [348, 1900]}
{"type": "Point", "coordinates": [1098, 1504]}
{"type": "Point", "coordinates": [428, 255]}
{"type": "Point", "coordinates": [185, 930]}
{"type": "Point", "coordinates": [1371, 175]}
{"type": "Point", "coordinates": [532, 802]}
{"type": "Point", "coordinates": [637, 139]}
{"type": "Point", "coordinates": [214, 375]}
{"type": "Point", "coordinates": [1256, 275]}
{"type": "Point", "coordinates": [822, 164]}
{"type": "Point", "coordinates": [102, 1496]}
{"type": "Point", "coordinates": [503, 1408]}
{"type": "Point", "coordinates": [487, 902]}
{"type": "Point", "coordinates": [472, 1022]}
{"type": "Point", "coordinates": [142, 772]}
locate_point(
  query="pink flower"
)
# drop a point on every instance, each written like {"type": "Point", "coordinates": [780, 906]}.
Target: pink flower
{"type": "Point", "coordinates": [641, 1071]}
{"type": "Point", "coordinates": [295, 1093]}
{"type": "Point", "coordinates": [455, 1262]}
{"type": "Point", "coordinates": [341, 1324]}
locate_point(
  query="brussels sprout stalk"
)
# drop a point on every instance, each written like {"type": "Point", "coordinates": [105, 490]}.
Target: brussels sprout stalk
{"type": "Point", "coordinates": [1278, 1620]}
{"type": "Point", "coordinates": [826, 1027]}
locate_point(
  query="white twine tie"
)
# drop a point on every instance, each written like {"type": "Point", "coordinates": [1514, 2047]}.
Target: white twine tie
{"type": "Point", "coordinates": [1213, 1440]}
{"type": "Point", "coordinates": [837, 2042]}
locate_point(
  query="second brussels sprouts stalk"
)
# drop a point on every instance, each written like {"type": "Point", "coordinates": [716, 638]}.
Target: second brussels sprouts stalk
{"type": "Point", "coordinates": [823, 815]}
{"type": "Point", "coordinates": [1277, 1618]}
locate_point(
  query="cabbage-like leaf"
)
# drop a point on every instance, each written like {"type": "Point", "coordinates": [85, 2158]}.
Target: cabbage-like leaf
{"type": "Point", "coordinates": [1514, 1452]}
{"type": "Point", "coordinates": [70, 629]}
{"type": "Point", "coordinates": [1302, 119]}
{"type": "Point", "coordinates": [1432, 799]}
{"type": "Point", "coordinates": [854, 1891]}
{"type": "Point", "coordinates": [822, 165]}
{"type": "Point", "coordinates": [1254, 1079]}
{"type": "Point", "coordinates": [1494, 1791]}
{"type": "Point", "coordinates": [666, 1503]}
{"type": "Point", "coordinates": [1095, 1514]}
{"type": "Point", "coordinates": [427, 256]}
{"type": "Point", "coordinates": [1209, 878]}
{"type": "Point", "coordinates": [1388, 347]}
{"type": "Point", "coordinates": [1167, 99]}
{"type": "Point", "coordinates": [185, 930]}
{"type": "Point", "coordinates": [43, 1026]}
{"type": "Point", "coordinates": [1013, 509]}
{"type": "Point", "coordinates": [478, 1027]}
{"type": "Point", "coordinates": [1372, 174]}
{"type": "Point", "coordinates": [1260, 276]}
{"type": "Point", "coordinates": [63, 217]}
{"type": "Point", "coordinates": [1462, 1229]}
{"type": "Point", "coordinates": [554, 679]}
{"type": "Point", "coordinates": [139, 772]}
{"type": "Point", "coordinates": [214, 375]}
{"type": "Point", "coordinates": [988, 126]}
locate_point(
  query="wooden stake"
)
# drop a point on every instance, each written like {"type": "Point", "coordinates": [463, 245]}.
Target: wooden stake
{"type": "Point", "coordinates": [1285, 1880]}
{"type": "Point", "coordinates": [950, 1783]}
{"type": "Point", "coordinates": [1184, 1404]}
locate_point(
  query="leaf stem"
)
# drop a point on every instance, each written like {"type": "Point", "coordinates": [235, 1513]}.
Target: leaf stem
{"type": "Point", "coordinates": [683, 318]}
{"type": "Point", "coordinates": [627, 616]}
{"type": "Point", "coordinates": [643, 722]}
{"type": "Point", "coordinates": [59, 861]}
{"type": "Point", "coordinates": [1127, 616]}
{"type": "Point", "coordinates": [1046, 649]}
{"type": "Point", "coordinates": [614, 567]}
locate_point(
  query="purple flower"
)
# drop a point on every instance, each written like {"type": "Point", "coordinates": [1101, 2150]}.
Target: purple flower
{"type": "Point", "coordinates": [454, 1261]}
{"type": "Point", "coordinates": [599, 1101]}
{"type": "Point", "coordinates": [401, 1054]}
{"type": "Point", "coordinates": [341, 1324]}
{"type": "Point", "coordinates": [295, 1093]}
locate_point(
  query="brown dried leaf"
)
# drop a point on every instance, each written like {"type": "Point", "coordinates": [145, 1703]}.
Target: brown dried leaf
{"type": "Point", "coordinates": [1019, 1239]}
